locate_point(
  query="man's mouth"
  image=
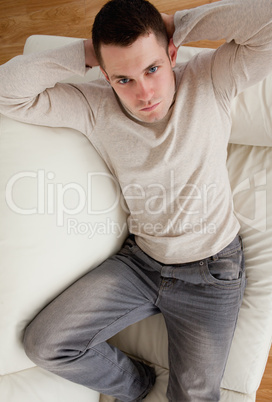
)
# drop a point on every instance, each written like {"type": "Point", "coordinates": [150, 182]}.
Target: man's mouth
{"type": "Point", "coordinates": [150, 108]}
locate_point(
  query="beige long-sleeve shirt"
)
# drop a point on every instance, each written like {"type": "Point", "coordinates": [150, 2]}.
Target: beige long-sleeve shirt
{"type": "Point", "coordinates": [172, 173]}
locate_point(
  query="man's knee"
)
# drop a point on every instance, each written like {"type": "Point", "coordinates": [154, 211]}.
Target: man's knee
{"type": "Point", "coordinates": [37, 347]}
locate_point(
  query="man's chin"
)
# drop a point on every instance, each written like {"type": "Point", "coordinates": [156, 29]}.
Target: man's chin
{"type": "Point", "coordinates": [152, 118]}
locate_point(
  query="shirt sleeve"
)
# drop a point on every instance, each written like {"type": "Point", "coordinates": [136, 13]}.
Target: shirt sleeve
{"type": "Point", "coordinates": [30, 90]}
{"type": "Point", "coordinates": [246, 25]}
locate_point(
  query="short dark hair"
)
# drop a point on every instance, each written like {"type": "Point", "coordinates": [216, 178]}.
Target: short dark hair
{"type": "Point", "coordinates": [122, 22]}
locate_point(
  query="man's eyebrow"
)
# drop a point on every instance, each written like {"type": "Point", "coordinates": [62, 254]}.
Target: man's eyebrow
{"type": "Point", "coordinates": [120, 76]}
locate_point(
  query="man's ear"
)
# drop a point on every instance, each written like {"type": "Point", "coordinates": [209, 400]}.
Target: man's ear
{"type": "Point", "coordinates": [105, 74]}
{"type": "Point", "coordinates": [172, 52]}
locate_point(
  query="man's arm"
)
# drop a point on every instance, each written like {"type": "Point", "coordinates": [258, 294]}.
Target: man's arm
{"type": "Point", "coordinates": [246, 25]}
{"type": "Point", "coordinates": [30, 91]}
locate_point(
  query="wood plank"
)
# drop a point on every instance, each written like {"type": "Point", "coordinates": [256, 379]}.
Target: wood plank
{"type": "Point", "coordinates": [171, 6]}
{"type": "Point", "coordinates": [12, 8]}
{"type": "Point", "coordinates": [264, 393]}
{"type": "Point", "coordinates": [59, 20]}
{"type": "Point", "coordinates": [63, 20]}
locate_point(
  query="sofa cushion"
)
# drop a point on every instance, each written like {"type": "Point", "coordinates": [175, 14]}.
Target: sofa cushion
{"type": "Point", "coordinates": [37, 385]}
{"type": "Point", "coordinates": [59, 217]}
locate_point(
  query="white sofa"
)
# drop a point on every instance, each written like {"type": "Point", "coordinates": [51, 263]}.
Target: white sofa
{"type": "Point", "coordinates": [60, 216]}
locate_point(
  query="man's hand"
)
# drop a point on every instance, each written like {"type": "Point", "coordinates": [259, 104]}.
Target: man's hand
{"type": "Point", "coordinates": [169, 24]}
{"type": "Point", "coordinates": [90, 57]}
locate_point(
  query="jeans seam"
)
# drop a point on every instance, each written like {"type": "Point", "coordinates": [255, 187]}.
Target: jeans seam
{"type": "Point", "coordinates": [116, 365]}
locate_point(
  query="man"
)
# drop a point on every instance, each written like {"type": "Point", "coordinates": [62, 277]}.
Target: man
{"type": "Point", "coordinates": [163, 132]}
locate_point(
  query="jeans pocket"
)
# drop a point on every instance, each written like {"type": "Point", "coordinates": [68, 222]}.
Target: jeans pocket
{"type": "Point", "coordinates": [225, 269]}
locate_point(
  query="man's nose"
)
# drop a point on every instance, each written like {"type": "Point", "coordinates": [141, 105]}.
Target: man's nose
{"type": "Point", "coordinates": [144, 91]}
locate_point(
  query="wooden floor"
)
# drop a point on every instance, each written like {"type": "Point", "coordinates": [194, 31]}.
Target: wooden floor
{"type": "Point", "coordinates": [22, 18]}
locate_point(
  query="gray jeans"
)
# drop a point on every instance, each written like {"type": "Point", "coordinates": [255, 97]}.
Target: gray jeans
{"type": "Point", "coordinates": [199, 301]}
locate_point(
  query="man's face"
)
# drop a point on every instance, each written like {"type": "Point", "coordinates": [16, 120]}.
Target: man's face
{"type": "Point", "coordinates": [142, 76]}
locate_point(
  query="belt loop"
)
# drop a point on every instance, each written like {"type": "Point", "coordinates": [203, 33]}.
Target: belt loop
{"type": "Point", "coordinates": [241, 242]}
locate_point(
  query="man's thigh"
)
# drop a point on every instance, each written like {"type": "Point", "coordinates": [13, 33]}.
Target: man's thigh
{"type": "Point", "coordinates": [101, 303]}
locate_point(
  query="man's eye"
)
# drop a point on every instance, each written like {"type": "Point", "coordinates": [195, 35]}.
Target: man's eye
{"type": "Point", "coordinates": [124, 81]}
{"type": "Point", "coordinates": [152, 70]}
